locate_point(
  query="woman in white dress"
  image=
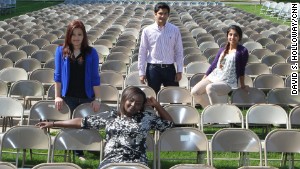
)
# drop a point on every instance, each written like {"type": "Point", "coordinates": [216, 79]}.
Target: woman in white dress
{"type": "Point", "coordinates": [227, 68]}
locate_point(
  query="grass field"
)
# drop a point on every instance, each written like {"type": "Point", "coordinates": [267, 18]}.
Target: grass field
{"type": "Point", "coordinates": [28, 6]}
{"type": "Point", "coordinates": [255, 9]}
{"type": "Point", "coordinates": [92, 158]}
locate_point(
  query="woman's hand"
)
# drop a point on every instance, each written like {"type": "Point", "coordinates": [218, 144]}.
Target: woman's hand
{"type": "Point", "coordinates": [151, 101]}
{"type": "Point", "coordinates": [59, 103]}
{"type": "Point", "coordinates": [95, 105]}
{"type": "Point", "coordinates": [245, 87]}
{"type": "Point", "coordinates": [43, 125]}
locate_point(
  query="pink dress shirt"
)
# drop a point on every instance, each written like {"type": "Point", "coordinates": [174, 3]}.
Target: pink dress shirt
{"type": "Point", "coordinates": [160, 46]}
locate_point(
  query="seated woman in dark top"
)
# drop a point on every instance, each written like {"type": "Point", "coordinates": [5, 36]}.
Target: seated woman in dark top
{"type": "Point", "coordinates": [126, 129]}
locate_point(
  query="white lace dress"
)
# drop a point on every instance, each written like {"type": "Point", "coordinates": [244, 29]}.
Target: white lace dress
{"type": "Point", "coordinates": [225, 71]}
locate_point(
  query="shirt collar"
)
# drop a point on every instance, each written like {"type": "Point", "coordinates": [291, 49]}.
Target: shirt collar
{"type": "Point", "coordinates": [161, 28]}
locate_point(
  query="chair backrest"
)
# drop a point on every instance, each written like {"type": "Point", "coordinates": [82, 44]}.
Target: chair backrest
{"type": "Point", "coordinates": [207, 45]}
{"type": "Point", "coordinates": [147, 90]}
{"type": "Point", "coordinates": [182, 139]}
{"type": "Point", "coordinates": [235, 140]}
{"type": "Point", "coordinates": [12, 74]}
{"type": "Point", "coordinates": [195, 79]}
{"type": "Point", "coordinates": [268, 81]}
{"type": "Point", "coordinates": [75, 139]}
{"type": "Point", "coordinates": [270, 60]}
{"type": "Point", "coordinates": [119, 56]}
{"type": "Point", "coordinates": [282, 69]}
{"type": "Point", "coordinates": [282, 140]}
{"type": "Point", "coordinates": [29, 64]}
{"type": "Point", "coordinates": [246, 98]}
{"type": "Point", "coordinates": [192, 166]}
{"type": "Point", "coordinates": [125, 166]}
{"type": "Point", "coordinates": [86, 109]}
{"type": "Point", "coordinates": [7, 165]}
{"type": "Point", "coordinates": [46, 110]}
{"type": "Point", "coordinates": [112, 78]}
{"type": "Point", "coordinates": [109, 94]}
{"type": "Point", "coordinates": [56, 165]}
{"type": "Point", "coordinates": [259, 53]}
{"type": "Point", "coordinates": [173, 94]}
{"type": "Point", "coordinates": [133, 66]}
{"type": "Point", "coordinates": [50, 64]}
{"type": "Point", "coordinates": [221, 114]}
{"type": "Point", "coordinates": [252, 45]}
{"type": "Point", "coordinates": [44, 75]}
{"type": "Point", "coordinates": [255, 69]}
{"type": "Point", "coordinates": [42, 55]}
{"type": "Point", "coordinates": [194, 57]}
{"type": "Point", "coordinates": [114, 65]}
{"type": "Point", "coordinates": [26, 88]}
{"type": "Point", "coordinates": [11, 108]}
{"type": "Point", "coordinates": [283, 97]}
{"type": "Point", "coordinates": [26, 137]}
{"type": "Point", "coordinates": [101, 49]}
{"type": "Point", "coordinates": [294, 117]}
{"type": "Point", "coordinates": [183, 114]}
{"type": "Point", "coordinates": [247, 80]}
{"type": "Point", "coordinates": [15, 55]}
{"type": "Point", "coordinates": [5, 62]}
{"type": "Point", "coordinates": [266, 114]}
{"type": "Point", "coordinates": [50, 47]}
{"type": "Point", "coordinates": [196, 67]}
{"type": "Point", "coordinates": [132, 79]}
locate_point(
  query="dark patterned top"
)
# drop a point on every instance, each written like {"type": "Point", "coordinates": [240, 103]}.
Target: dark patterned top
{"type": "Point", "coordinates": [126, 136]}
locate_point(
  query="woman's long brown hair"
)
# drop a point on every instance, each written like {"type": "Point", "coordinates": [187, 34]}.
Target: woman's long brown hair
{"type": "Point", "coordinates": [68, 48]}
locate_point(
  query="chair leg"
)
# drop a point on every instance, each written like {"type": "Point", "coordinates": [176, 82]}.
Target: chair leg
{"type": "Point", "coordinates": [17, 157]}
{"type": "Point", "coordinates": [200, 157]}
{"type": "Point", "coordinates": [30, 151]}
{"type": "Point", "coordinates": [24, 157]}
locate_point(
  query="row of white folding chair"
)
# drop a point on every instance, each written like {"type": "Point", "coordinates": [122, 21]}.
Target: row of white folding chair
{"type": "Point", "coordinates": [227, 140]}
{"type": "Point", "coordinates": [160, 137]}
{"type": "Point", "coordinates": [31, 137]}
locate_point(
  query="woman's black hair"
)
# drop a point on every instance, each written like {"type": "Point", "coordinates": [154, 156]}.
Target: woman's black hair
{"type": "Point", "coordinates": [161, 5]}
{"type": "Point", "coordinates": [128, 93]}
{"type": "Point", "coordinates": [240, 33]}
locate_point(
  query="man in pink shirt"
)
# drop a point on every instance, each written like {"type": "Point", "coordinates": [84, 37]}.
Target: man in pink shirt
{"type": "Point", "coordinates": [160, 58]}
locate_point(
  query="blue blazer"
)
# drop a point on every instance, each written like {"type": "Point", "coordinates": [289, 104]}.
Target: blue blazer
{"type": "Point", "coordinates": [62, 71]}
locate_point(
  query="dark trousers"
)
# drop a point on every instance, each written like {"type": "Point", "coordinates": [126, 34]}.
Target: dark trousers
{"type": "Point", "coordinates": [158, 74]}
{"type": "Point", "coordinates": [73, 102]}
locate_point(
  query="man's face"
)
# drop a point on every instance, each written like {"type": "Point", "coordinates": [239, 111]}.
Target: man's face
{"type": "Point", "coordinates": [161, 16]}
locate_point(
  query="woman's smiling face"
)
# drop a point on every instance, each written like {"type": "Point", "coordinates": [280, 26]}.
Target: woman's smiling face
{"type": "Point", "coordinates": [133, 105]}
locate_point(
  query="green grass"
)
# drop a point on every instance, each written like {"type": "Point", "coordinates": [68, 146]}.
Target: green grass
{"type": "Point", "coordinates": [24, 7]}
{"type": "Point", "coordinates": [255, 9]}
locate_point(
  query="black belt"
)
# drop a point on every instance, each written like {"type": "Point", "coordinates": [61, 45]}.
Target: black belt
{"type": "Point", "coordinates": [161, 65]}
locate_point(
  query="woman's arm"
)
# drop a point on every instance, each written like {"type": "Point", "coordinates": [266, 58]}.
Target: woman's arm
{"type": "Point", "coordinates": [214, 63]}
{"type": "Point", "coordinates": [161, 111]}
{"type": "Point", "coordinates": [242, 81]}
{"type": "Point", "coordinates": [73, 123]}
{"type": "Point", "coordinates": [95, 78]}
{"type": "Point", "coordinates": [96, 103]}
{"type": "Point", "coordinates": [58, 100]}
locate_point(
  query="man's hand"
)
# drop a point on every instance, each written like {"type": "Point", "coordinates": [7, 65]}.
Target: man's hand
{"type": "Point", "coordinates": [143, 79]}
{"type": "Point", "coordinates": [178, 76]}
